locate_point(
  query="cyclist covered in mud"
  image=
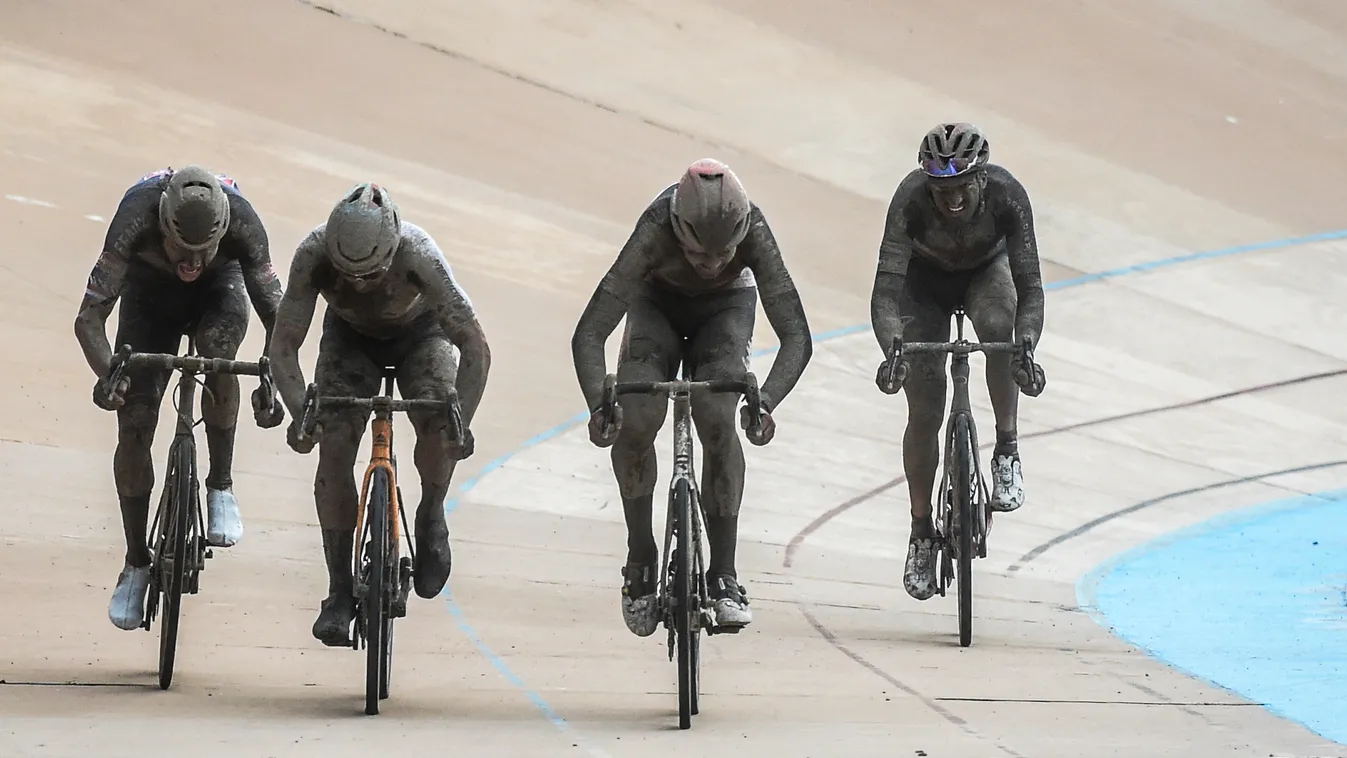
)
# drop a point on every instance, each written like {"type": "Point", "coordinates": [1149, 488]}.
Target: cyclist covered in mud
{"type": "Point", "coordinates": [960, 232]}
{"type": "Point", "coordinates": [392, 302]}
{"type": "Point", "coordinates": [688, 280]}
{"type": "Point", "coordinates": [185, 253]}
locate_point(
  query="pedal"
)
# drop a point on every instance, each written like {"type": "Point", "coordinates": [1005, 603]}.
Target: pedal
{"type": "Point", "coordinates": [710, 630]}
{"type": "Point", "coordinates": [398, 606]}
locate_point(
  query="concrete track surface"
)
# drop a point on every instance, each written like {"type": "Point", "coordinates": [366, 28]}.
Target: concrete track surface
{"type": "Point", "coordinates": [526, 136]}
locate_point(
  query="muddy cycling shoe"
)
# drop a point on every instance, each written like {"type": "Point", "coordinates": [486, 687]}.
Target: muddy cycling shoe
{"type": "Point", "coordinates": [640, 608]}
{"type": "Point", "coordinates": [729, 602]}
{"type": "Point", "coordinates": [224, 525]}
{"type": "Point", "coordinates": [1007, 483]}
{"type": "Point", "coordinates": [127, 609]}
{"type": "Point", "coordinates": [919, 573]}
{"type": "Point", "coordinates": [333, 627]}
{"type": "Point", "coordinates": [433, 559]}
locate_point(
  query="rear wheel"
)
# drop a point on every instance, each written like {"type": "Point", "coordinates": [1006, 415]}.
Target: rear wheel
{"type": "Point", "coordinates": [686, 608]}
{"type": "Point", "coordinates": [172, 561]}
{"type": "Point", "coordinates": [375, 605]}
{"type": "Point", "coordinates": [961, 475]}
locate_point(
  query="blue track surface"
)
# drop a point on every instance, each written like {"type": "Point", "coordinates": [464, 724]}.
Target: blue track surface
{"type": "Point", "coordinates": [1255, 602]}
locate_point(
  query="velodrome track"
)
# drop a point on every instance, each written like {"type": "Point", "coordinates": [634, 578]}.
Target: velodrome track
{"type": "Point", "coordinates": [527, 136]}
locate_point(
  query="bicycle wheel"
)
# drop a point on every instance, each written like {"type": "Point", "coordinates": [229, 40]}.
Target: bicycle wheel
{"type": "Point", "coordinates": [961, 475]}
{"type": "Point", "coordinates": [686, 606]}
{"type": "Point", "coordinates": [172, 567]}
{"type": "Point", "coordinates": [375, 606]}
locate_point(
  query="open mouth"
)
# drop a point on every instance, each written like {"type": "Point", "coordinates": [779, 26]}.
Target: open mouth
{"type": "Point", "coordinates": [188, 272]}
{"type": "Point", "coordinates": [955, 207]}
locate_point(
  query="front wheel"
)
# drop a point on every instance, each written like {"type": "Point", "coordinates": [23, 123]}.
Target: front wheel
{"type": "Point", "coordinates": [961, 479]}
{"type": "Point", "coordinates": [171, 561]}
{"type": "Point", "coordinates": [687, 606]}
{"type": "Point", "coordinates": [378, 642]}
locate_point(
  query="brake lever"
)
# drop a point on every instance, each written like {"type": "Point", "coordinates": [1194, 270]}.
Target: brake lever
{"type": "Point", "coordinates": [608, 402]}
{"type": "Point", "coordinates": [457, 432]}
{"type": "Point", "coordinates": [117, 368]}
{"type": "Point", "coordinates": [1027, 354]}
{"type": "Point", "coordinates": [310, 419]}
{"type": "Point", "coordinates": [895, 357]}
{"type": "Point", "coordinates": [754, 398]}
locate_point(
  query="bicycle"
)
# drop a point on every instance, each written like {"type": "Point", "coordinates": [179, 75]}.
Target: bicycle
{"type": "Point", "coordinates": [964, 516]}
{"type": "Point", "coordinates": [684, 604]}
{"type": "Point", "coordinates": [179, 551]}
{"type": "Point", "coordinates": [383, 575]}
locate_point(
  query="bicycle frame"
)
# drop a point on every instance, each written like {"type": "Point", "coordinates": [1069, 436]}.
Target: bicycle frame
{"type": "Point", "coordinates": [961, 406]}
{"type": "Point", "coordinates": [682, 470]}
{"type": "Point", "coordinates": [680, 391]}
{"type": "Point", "coordinates": [179, 549]}
{"type": "Point", "coordinates": [381, 457]}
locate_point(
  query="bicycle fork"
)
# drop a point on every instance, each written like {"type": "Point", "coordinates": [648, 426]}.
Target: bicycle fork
{"type": "Point", "coordinates": [961, 406]}
{"type": "Point", "coordinates": [682, 469]}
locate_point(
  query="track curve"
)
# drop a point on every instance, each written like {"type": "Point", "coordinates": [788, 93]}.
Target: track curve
{"type": "Point", "coordinates": [526, 136]}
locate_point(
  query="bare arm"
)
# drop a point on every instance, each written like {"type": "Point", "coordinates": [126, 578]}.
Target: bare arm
{"type": "Point", "coordinates": [895, 252]}
{"type": "Point", "coordinates": [293, 317]}
{"type": "Point", "coordinates": [1022, 245]}
{"type": "Point", "coordinates": [608, 305]}
{"type": "Point", "coordinates": [259, 274]}
{"type": "Point", "coordinates": [134, 219]}
{"type": "Point", "coordinates": [785, 312]}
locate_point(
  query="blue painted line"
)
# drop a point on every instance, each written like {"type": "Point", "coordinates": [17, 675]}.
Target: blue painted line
{"type": "Point", "coordinates": [467, 485]}
{"type": "Point", "coordinates": [1253, 601]}
{"type": "Point", "coordinates": [500, 665]}
{"type": "Point", "coordinates": [1202, 256]}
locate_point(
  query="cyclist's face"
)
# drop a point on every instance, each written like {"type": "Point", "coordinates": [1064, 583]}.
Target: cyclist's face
{"type": "Point", "coordinates": [956, 197]}
{"type": "Point", "coordinates": [188, 264]}
{"type": "Point", "coordinates": [709, 265]}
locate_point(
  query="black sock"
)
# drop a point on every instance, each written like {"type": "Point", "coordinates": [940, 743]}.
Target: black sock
{"type": "Point", "coordinates": [641, 548]}
{"type": "Point", "coordinates": [722, 532]}
{"type": "Point", "coordinates": [220, 443]}
{"type": "Point", "coordinates": [135, 518]}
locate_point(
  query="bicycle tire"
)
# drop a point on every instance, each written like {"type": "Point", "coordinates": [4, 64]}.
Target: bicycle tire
{"type": "Point", "coordinates": [961, 475]}
{"type": "Point", "coordinates": [685, 627]}
{"type": "Point", "coordinates": [375, 607]}
{"type": "Point", "coordinates": [174, 568]}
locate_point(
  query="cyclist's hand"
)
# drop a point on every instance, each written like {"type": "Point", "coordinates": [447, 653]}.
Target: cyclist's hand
{"type": "Point", "coordinates": [603, 426]}
{"type": "Point", "coordinates": [882, 378]}
{"type": "Point", "coordinates": [764, 432]}
{"type": "Point", "coordinates": [298, 440]}
{"type": "Point", "coordinates": [111, 398]}
{"type": "Point", "coordinates": [267, 410]}
{"type": "Point", "coordinates": [1029, 376]}
{"type": "Point", "coordinates": [463, 450]}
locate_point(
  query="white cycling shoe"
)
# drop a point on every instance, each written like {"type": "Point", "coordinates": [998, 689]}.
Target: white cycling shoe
{"type": "Point", "coordinates": [729, 602]}
{"type": "Point", "coordinates": [224, 525]}
{"type": "Point", "coordinates": [640, 609]}
{"type": "Point", "coordinates": [127, 609]}
{"type": "Point", "coordinates": [1007, 483]}
{"type": "Point", "coordinates": [919, 571]}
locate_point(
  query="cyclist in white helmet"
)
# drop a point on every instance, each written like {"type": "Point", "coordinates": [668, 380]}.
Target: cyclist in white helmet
{"type": "Point", "coordinates": [688, 281]}
{"type": "Point", "coordinates": [960, 232]}
{"type": "Point", "coordinates": [392, 302]}
{"type": "Point", "coordinates": [184, 253]}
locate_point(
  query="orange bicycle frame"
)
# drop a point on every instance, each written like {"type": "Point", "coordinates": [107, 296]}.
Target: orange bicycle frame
{"type": "Point", "coordinates": [381, 457]}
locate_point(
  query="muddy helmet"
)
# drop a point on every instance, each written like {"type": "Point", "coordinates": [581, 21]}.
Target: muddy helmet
{"type": "Point", "coordinates": [952, 149]}
{"type": "Point", "coordinates": [194, 210]}
{"type": "Point", "coordinates": [710, 208]}
{"type": "Point", "coordinates": [363, 231]}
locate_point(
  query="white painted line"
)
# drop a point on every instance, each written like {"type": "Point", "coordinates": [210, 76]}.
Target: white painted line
{"type": "Point", "coordinates": [30, 201]}
{"type": "Point", "coordinates": [93, 217]}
